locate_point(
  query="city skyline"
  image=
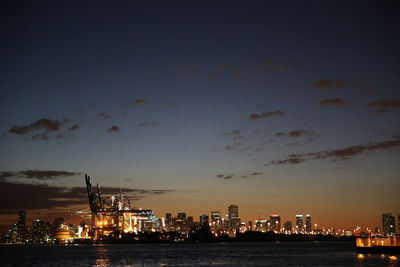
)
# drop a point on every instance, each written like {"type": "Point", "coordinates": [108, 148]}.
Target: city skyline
{"type": "Point", "coordinates": [280, 108]}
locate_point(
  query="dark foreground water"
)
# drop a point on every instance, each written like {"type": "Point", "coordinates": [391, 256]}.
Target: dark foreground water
{"type": "Point", "coordinates": [202, 254]}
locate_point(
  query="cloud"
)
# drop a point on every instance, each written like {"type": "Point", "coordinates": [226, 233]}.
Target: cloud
{"type": "Point", "coordinates": [45, 125]}
{"type": "Point", "coordinates": [296, 133]}
{"type": "Point", "coordinates": [233, 132]}
{"type": "Point", "coordinates": [225, 177]}
{"type": "Point", "coordinates": [38, 174]}
{"type": "Point", "coordinates": [113, 129]}
{"type": "Point", "coordinates": [384, 103]}
{"type": "Point", "coordinates": [292, 160]}
{"type": "Point", "coordinates": [265, 115]}
{"type": "Point", "coordinates": [103, 116]}
{"type": "Point", "coordinates": [340, 154]}
{"type": "Point", "coordinates": [74, 128]}
{"type": "Point", "coordinates": [228, 147]}
{"type": "Point", "coordinates": [333, 102]}
{"type": "Point", "coordinates": [333, 84]}
{"type": "Point", "coordinates": [42, 196]}
{"type": "Point", "coordinates": [222, 67]}
{"type": "Point", "coordinates": [146, 124]}
{"type": "Point", "coordinates": [141, 101]}
{"type": "Point", "coordinates": [270, 65]}
{"type": "Point", "coordinates": [257, 173]}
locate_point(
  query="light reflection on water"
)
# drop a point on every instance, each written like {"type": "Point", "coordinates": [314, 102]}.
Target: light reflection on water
{"type": "Point", "coordinates": [102, 259]}
{"type": "Point", "coordinates": [204, 254]}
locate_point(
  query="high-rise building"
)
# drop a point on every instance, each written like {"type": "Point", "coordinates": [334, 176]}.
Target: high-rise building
{"type": "Point", "coordinates": [308, 223]}
{"type": "Point", "coordinates": [250, 226]}
{"type": "Point", "coordinates": [288, 227]}
{"type": "Point", "coordinates": [388, 224]}
{"type": "Point", "coordinates": [233, 211]}
{"type": "Point", "coordinates": [299, 223]}
{"type": "Point", "coordinates": [204, 220]}
{"type": "Point", "coordinates": [182, 217]}
{"type": "Point", "coordinates": [398, 221]}
{"type": "Point", "coordinates": [215, 216]}
{"type": "Point", "coordinates": [21, 226]}
{"type": "Point", "coordinates": [275, 221]}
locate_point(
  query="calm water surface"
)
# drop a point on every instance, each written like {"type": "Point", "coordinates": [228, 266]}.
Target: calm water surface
{"type": "Point", "coordinates": [219, 254]}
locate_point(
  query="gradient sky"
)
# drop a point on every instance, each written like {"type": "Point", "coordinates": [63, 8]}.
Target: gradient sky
{"type": "Point", "coordinates": [289, 107]}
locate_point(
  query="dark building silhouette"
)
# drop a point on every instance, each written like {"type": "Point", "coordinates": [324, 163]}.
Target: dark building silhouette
{"type": "Point", "coordinates": [21, 226]}
{"type": "Point", "coordinates": [288, 226]}
{"type": "Point", "coordinates": [204, 220]}
{"type": "Point", "coordinates": [182, 217]}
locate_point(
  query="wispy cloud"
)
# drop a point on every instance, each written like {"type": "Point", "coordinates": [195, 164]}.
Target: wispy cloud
{"type": "Point", "coordinates": [333, 84]}
{"type": "Point", "coordinates": [74, 128]}
{"type": "Point", "coordinates": [146, 124]}
{"type": "Point", "coordinates": [339, 154]}
{"type": "Point", "coordinates": [114, 129]}
{"type": "Point", "coordinates": [264, 115]}
{"type": "Point", "coordinates": [333, 102]}
{"type": "Point", "coordinates": [46, 125]}
{"type": "Point", "coordinates": [103, 116]}
{"type": "Point", "coordinates": [296, 133]}
{"type": "Point", "coordinates": [384, 103]}
{"type": "Point", "coordinates": [233, 132]}
{"type": "Point", "coordinates": [38, 174]}
{"type": "Point", "coordinates": [225, 177]}
{"type": "Point", "coordinates": [269, 65]}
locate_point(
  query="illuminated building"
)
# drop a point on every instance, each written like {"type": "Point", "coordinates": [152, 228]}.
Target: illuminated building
{"type": "Point", "coordinates": [388, 224]}
{"type": "Point", "coordinates": [299, 223]}
{"type": "Point", "coordinates": [261, 225]}
{"type": "Point", "coordinates": [204, 220]}
{"type": "Point", "coordinates": [288, 227]}
{"type": "Point", "coordinates": [308, 223]}
{"type": "Point", "coordinates": [275, 221]}
{"type": "Point", "coordinates": [234, 219]}
{"type": "Point", "coordinates": [216, 222]}
{"type": "Point", "coordinates": [182, 216]}
{"type": "Point", "coordinates": [168, 221]}
{"type": "Point", "coordinates": [233, 211]}
{"type": "Point", "coordinates": [250, 226]}
{"type": "Point", "coordinates": [215, 215]}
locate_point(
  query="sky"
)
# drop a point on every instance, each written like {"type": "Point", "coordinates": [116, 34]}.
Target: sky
{"type": "Point", "coordinates": [288, 107]}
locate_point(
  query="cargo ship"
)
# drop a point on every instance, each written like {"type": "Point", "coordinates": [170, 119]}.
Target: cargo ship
{"type": "Point", "coordinates": [378, 245]}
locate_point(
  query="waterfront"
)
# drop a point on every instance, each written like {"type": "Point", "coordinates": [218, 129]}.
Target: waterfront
{"type": "Point", "coordinates": [198, 254]}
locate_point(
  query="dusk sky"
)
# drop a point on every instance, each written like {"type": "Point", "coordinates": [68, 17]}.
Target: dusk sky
{"type": "Point", "coordinates": [191, 106]}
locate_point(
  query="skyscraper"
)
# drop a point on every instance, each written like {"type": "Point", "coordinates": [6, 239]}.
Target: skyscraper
{"type": "Point", "coordinates": [21, 226]}
{"type": "Point", "coordinates": [204, 220]}
{"type": "Point", "coordinates": [275, 220]}
{"type": "Point", "coordinates": [308, 223]}
{"type": "Point", "coordinates": [288, 227]}
{"type": "Point", "coordinates": [233, 211]}
{"type": "Point", "coordinates": [182, 217]}
{"type": "Point", "coordinates": [299, 222]}
{"type": "Point", "coordinates": [215, 216]}
{"type": "Point", "coordinates": [398, 221]}
{"type": "Point", "coordinates": [388, 224]}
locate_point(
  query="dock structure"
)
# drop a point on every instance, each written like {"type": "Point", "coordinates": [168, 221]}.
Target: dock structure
{"type": "Point", "coordinates": [114, 216]}
{"type": "Point", "coordinates": [378, 245]}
